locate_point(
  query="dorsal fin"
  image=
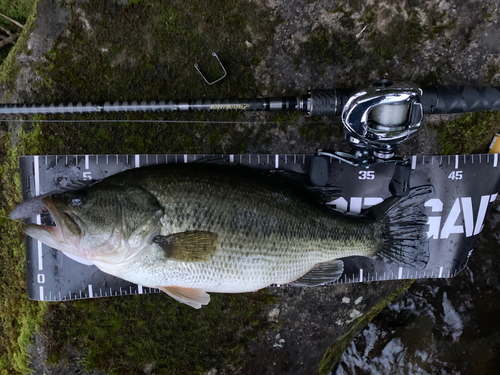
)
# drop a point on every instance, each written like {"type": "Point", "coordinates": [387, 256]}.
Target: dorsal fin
{"type": "Point", "coordinates": [323, 194]}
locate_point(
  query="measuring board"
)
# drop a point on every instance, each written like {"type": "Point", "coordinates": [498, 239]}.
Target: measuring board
{"type": "Point", "coordinates": [465, 186]}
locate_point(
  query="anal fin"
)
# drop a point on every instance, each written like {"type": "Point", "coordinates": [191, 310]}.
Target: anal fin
{"type": "Point", "coordinates": [322, 273]}
{"type": "Point", "coordinates": [190, 296]}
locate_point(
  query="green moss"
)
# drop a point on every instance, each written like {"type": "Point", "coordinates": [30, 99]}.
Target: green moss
{"type": "Point", "coordinates": [147, 52]}
{"type": "Point", "coordinates": [370, 16]}
{"type": "Point", "coordinates": [19, 10]}
{"type": "Point", "coordinates": [325, 46]}
{"type": "Point", "coordinates": [149, 135]}
{"type": "Point", "coordinates": [468, 134]}
{"type": "Point", "coordinates": [492, 71]}
{"type": "Point", "coordinates": [256, 60]}
{"type": "Point", "coordinates": [285, 118]}
{"type": "Point", "coordinates": [123, 335]}
{"type": "Point", "coordinates": [431, 77]}
{"type": "Point", "coordinates": [333, 353]}
{"type": "Point", "coordinates": [321, 130]}
{"type": "Point", "coordinates": [9, 68]}
{"type": "Point", "coordinates": [401, 38]}
{"type": "Point", "coordinates": [19, 317]}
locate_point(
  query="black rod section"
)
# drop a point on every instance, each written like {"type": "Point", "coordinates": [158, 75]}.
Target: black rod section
{"type": "Point", "coordinates": [263, 104]}
{"type": "Point", "coordinates": [315, 103]}
{"type": "Point", "coordinates": [460, 99]}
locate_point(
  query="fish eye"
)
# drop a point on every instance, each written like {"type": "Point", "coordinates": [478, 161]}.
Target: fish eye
{"type": "Point", "coordinates": [77, 199]}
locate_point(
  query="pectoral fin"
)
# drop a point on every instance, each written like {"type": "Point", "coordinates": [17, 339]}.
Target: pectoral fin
{"type": "Point", "coordinates": [190, 246]}
{"type": "Point", "coordinates": [192, 297]}
{"type": "Point", "coordinates": [322, 273]}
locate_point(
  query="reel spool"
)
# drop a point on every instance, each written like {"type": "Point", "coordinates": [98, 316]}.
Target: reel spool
{"type": "Point", "coordinates": [379, 118]}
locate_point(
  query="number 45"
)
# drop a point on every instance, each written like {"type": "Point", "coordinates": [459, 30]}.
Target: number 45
{"type": "Point", "coordinates": [455, 175]}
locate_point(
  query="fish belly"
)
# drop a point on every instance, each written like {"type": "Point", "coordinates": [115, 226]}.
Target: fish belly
{"type": "Point", "coordinates": [233, 269]}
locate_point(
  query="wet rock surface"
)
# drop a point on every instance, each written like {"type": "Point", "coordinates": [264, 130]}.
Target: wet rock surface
{"type": "Point", "coordinates": [438, 326]}
{"type": "Point", "coordinates": [311, 44]}
{"type": "Point", "coordinates": [311, 320]}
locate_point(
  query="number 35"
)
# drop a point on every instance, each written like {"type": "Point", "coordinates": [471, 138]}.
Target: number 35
{"type": "Point", "coordinates": [366, 175]}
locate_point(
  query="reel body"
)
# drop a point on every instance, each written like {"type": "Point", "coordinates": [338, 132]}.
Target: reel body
{"type": "Point", "coordinates": [379, 118]}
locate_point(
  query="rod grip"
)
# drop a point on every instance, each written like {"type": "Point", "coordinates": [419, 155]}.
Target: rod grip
{"type": "Point", "coordinates": [460, 99]}
{"type": "Point", "coordinates": [327, 102]}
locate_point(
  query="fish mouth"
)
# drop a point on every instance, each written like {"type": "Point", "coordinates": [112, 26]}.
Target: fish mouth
{"type": "Point", "coordinates": [66, 232]}
{"type": "Point", "coordinates": [29, 208]}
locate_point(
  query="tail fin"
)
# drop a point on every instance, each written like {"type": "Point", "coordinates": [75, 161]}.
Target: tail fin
{"type": "Point", "coordinates": [401, 223]}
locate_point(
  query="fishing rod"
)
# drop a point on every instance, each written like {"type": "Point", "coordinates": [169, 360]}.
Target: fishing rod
{"type": "Point", "coordinates": [376, 119]}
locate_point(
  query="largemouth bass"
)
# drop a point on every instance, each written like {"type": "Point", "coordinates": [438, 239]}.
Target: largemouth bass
{"type": "Point", "coordinates": [189, 229]}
